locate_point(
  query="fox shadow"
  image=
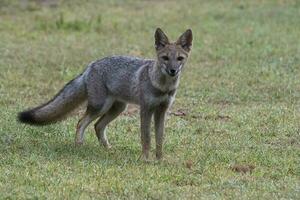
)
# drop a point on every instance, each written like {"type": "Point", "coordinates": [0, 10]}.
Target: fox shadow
{"type": "Point", "coordinates": [54, 147]}
{"type": "Point", "coordinates": [90, 152]}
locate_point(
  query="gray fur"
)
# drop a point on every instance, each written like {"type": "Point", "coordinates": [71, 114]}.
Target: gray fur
{"type": "Point", "coordinates": [112, 82]}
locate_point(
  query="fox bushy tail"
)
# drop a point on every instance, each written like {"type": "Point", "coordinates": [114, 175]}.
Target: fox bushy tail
{"type": "Point", "coordinates": [66, 100]}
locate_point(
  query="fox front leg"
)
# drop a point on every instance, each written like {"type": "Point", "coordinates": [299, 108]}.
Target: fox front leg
{"type": "Point", "coordinates": [146, 115]}
{"type": "Point", "coordinates": [159, 123]}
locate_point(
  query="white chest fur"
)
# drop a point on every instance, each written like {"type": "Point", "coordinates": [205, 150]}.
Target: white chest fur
{"type": "Point", "coordinates": [167, 99]}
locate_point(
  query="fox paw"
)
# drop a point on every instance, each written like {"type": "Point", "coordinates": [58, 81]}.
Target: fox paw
{"type": "Point", "coordinates": [144, 158]}
{"type": "Point", "coordinates": [106, 145]}
{"type": "Point", "coordinates": [78, 143]}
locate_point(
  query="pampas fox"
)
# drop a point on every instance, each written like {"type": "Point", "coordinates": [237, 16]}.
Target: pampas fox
{"type": "Point", "coordinates": [110, 83]}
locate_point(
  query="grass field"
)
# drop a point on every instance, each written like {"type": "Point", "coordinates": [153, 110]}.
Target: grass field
{"type": "Point", "coordinates": [237, 107]}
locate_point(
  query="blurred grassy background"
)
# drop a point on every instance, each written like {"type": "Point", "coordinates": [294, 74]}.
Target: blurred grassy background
{"type": "Point", "coordinates": [240, 95]}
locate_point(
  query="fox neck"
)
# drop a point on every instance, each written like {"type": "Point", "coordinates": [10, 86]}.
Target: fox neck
{"type": "Point", "coordinates": [162, 81]}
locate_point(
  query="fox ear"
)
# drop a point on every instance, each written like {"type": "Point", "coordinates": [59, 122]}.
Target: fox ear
{"type": "Point", "coordinates": [161, 40]}
{"type": "Point", "coordinates": [185, 40]}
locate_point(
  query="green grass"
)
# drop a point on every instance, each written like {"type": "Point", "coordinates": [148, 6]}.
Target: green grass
{"type": "Point", "coordinates": [240, 92]}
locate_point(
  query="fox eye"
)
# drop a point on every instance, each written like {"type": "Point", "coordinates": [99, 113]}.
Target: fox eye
{"type": "Point", "coordinates": [165, 58]}
{"type": "Point", "coordinates": [180, 58]}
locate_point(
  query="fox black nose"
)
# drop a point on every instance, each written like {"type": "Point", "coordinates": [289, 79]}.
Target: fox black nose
{"type": "Point", "coordinates": [172, 72]}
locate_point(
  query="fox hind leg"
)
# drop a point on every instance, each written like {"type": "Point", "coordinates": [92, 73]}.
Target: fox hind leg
{"type": "Point", "coordinates": [82, 125]}
{"type": "Point", "coordinates": [90, 115]}
{"type": "Point", "coordinates": [99, 102]}
{"type": "Point", "coordinates": [100, 126]}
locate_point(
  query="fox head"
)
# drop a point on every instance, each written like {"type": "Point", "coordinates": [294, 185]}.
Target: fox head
{"type": "Point", "coordinates": [172, 56]}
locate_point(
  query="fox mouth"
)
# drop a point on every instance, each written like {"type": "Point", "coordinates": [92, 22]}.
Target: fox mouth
{"type": "Point", "coordinates": [170, 72]}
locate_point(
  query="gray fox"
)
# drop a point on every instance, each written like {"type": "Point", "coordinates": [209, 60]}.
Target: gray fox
{"type": "Point", "coordinates": [110, 83]}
